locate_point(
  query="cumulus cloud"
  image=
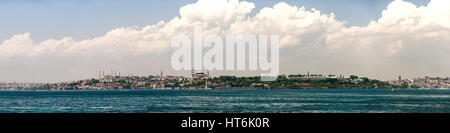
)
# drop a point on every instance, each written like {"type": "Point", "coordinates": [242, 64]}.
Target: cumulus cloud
{"type": "Point", "coordinates": [405, 39]}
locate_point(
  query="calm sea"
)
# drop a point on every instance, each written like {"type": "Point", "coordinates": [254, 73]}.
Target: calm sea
{"type": "Point", "coordinates": [229, 101]}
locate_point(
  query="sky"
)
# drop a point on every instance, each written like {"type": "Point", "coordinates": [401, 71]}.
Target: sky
{"type": "Point", "coordinates": [54, 40]}
{"type": "Point", "coordinates": [82, 19]}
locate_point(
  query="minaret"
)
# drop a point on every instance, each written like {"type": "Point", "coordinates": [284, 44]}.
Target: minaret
{"type": "Point", "coordinates": [192, 74]}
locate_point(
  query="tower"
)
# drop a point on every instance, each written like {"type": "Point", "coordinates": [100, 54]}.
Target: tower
{"type": "Point", "coordinates": [192, 73]}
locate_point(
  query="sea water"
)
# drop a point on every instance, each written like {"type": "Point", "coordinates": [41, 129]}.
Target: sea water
{"type": "Point", "coordinates": [226, 101]}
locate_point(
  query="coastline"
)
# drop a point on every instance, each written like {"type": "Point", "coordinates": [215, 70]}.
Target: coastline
{"type": "Point", "coordinates": [293, 81]}
{"type": "Point", "coordinates": [44, 90]}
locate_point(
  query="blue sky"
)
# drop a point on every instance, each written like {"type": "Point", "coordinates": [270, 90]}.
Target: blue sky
{"type": "Point", "coordinates": [409, 41]}
{"type": "Point", "coordinates": [83, 19]}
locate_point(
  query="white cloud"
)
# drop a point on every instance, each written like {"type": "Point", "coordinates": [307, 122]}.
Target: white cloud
{"type": "Point", "coordinates": [402, 28]}
{"type": "Point", "coordinates": [296, 26]}
{"type": "Point", "coordinates": [218, 17]}
{"type": "Point", "coordinates": [405, 36]}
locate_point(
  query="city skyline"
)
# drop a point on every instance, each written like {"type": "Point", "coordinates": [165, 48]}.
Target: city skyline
{"type": "Point", "coordinates": [113, 80]}
{"type": "Point", "coordinates": [390, 38]}
{"type": "Point", "coordinates": [110, 73]}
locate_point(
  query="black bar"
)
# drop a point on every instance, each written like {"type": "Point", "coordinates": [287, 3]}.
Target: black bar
{"type": "Point", "coordinates": [277, 121]}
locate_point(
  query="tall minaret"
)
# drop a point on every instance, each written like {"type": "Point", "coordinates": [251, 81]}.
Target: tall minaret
{"type": "Point", "coordinates": [161, 72]}
{"type": "Point", "coordinates": [192, 74]}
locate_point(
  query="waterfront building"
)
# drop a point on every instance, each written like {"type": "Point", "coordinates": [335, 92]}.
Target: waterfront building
{"type": "Point", "coordinates": [199, 75]}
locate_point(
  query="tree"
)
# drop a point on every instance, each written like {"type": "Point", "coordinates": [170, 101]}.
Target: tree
{"type": "Point", "coordinates": [415, 86]}
{"type": "Point", "coordinates": [353, 77]}
{"type": "Point", "coordinates": [365, 79]}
